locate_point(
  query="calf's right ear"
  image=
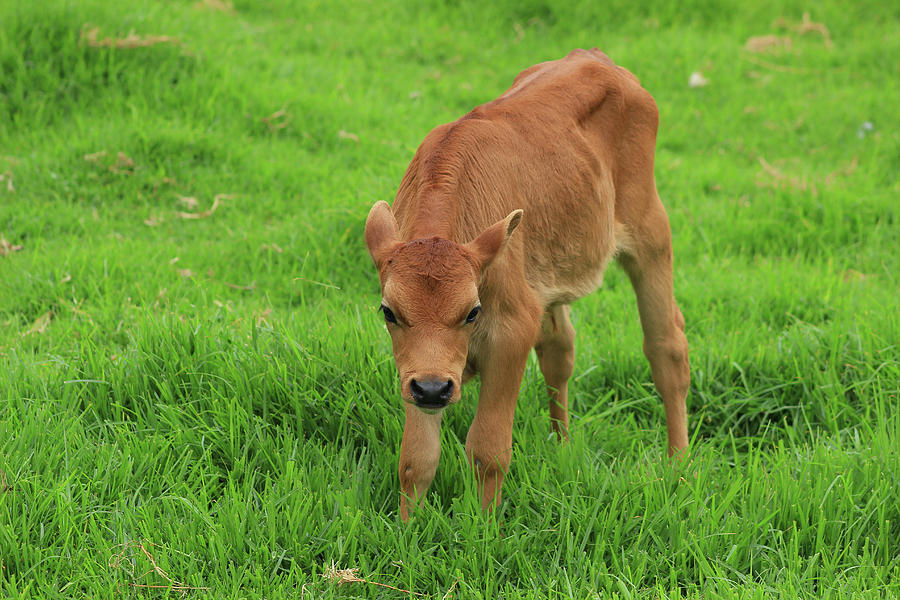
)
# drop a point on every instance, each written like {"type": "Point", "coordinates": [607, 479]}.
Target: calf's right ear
{"type": "Point", "coordinates": [382, 233]}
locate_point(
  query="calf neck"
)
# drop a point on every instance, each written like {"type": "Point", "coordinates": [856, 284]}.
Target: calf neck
{"type": "Point", "coordinates": [503, 218]}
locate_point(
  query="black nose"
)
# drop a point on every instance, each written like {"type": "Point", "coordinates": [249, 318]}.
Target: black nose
{"type": "Point", "coordinates": [431, 393]}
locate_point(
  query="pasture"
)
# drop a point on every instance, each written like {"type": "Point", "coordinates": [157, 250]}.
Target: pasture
{"type": "Point", "coordinates": [198, 397]}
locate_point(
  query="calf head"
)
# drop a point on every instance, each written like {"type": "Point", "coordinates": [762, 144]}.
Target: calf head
{"type": "Point", "coordinates": [430, 302]}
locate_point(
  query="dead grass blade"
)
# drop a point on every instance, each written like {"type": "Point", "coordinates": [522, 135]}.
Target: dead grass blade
{"type": "Point", "coordinates": [278, 120]}
{"type": "Point", "coordinates": [777, 177]}
{"type": "Point", "coordinates": [162, 182]}
{"type": "Point", "coordinates": [89, 35]}
{"type": "Point", "coordinates": [206, 213]}
{"type": "Point", "coordinates": [346, 135]}
{"type": "Point", "coordinates": [95, 157]}
{"type": "Point", "coordinates": [449, 593]}
{"type": "Point", "coordinates": [776, 67]}
{"type": "Point", "coordinates": [767, 43]}
{"type": "Point", "coordinates": [262, 316]}
{"type": "Point", "coordinates": [845, 171]}
{"type": "Point", "coordinates": [75, 306]}
{"type": "Point", "coordinates": [122, 164]}
{"type": "Point", "coordinates": [853, 275]}
{"type": "Point", "coordinates": [225, 6]}
{"type": "Point", "coordinates": [323, 284]}
{"type": "Point", "coordinates": [343, 576]}
{"type": "Point", "coordinates": [7, 248]}
{"type": "Point", "coordinates": [774, 43]}
{"type": "Point", "coordinates": [7, 175]}
{"type": "Point", "coordinates": [40, 324]}
{"type": "Point", "coordinates": [781, 180]}
{"type": "Point", "coordinates": [126, 556]}
{"type": "Point", "coordinates": [188, 201]}
{"type": "Point", "coordinates": [806, 25]}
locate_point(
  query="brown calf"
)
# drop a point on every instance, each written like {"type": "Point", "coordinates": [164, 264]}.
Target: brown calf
{"type": "Point", "coordinates": [565, 159]}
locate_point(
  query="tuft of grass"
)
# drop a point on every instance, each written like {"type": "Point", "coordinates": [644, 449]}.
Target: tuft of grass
{"type": "Point", "coordinates": [197, 393]}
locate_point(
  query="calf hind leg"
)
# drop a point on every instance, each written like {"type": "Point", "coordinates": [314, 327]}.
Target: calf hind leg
{"type": "Point", "coordinates": [649, 266]}
{"type": "Point", "coordinates": [556, 354]}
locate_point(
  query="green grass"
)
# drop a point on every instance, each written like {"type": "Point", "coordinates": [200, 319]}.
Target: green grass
{"type": "Point", "coordinates": [222, 388]}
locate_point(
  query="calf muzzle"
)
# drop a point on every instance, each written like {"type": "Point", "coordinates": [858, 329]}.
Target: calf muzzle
{"type": "Point", "coordinates": [431, 393]}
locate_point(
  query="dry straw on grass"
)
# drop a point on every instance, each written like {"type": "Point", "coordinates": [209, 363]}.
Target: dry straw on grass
{"type": "Point", "coordinates": [8, 248]}
{"type": "Point", "coordinates": [40, 324]}
{"type": "Point", "coordinates": [225, 6]}
{"type": "Point", "coordinates": [806, 25]}
{"type": "Point", "coordinates": [7, 175]}
{"type": "Point", "coordinates": [126, 556]}
{"type": "Point", "coordinates": [278, 120]}
{"type": "Point", "coordinates": [206, 213]}
{"type": "Point", "coordinates": [780, 44]}
{"type": "Point", "coordinates": [766, 43]}
{"type": "Point", "coordinates": [122, 163]}
{"type": "Point", "coordinates": [344, 576]}
{"type": "Point", "coordinates": [90, 35]}
{"type": "Point", "coordinates": [190, 202]}
{"type": "Point", "coordinates": [780, 177]}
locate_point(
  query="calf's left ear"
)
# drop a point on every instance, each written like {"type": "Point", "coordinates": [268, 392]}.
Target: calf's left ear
{"type": "Point", "coordinates": [382, 233]}
{"type": "Point", "coordinates": [490, 242]}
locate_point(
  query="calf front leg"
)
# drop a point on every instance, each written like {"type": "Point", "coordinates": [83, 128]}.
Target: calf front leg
{"type": "Point", "coordinates": [420, 452]}
{"type": "Point", "coordinates": [489, 442]}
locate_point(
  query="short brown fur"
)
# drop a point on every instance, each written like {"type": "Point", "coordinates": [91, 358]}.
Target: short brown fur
{"type": "Point", "coordinates": [565, 159]}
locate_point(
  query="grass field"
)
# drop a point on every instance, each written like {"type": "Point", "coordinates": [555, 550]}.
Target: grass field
{"type": "Point", "coordinates": [192, 369]}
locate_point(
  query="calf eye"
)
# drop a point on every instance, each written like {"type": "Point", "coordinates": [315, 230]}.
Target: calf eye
{"type": "Point", "coordinates": [471, 317]}
{"type": "Point", "coordinates": [388, 314]}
